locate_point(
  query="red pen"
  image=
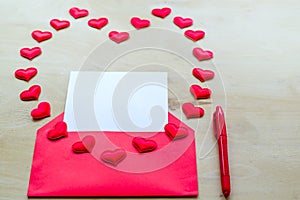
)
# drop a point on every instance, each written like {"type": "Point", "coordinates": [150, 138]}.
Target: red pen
{"type": "Point", "coordinates": [221, 135]}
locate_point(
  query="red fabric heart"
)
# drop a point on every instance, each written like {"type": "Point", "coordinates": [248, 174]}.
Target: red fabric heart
{"type": "Point", "coordinates": [183, 22]}
{"type": "Point", "coordinates": [143, 145]}
{"type": "Point", "coordinates": [191, 111]}
{"type": "Point", "coordinates": [113, 157]}
{"type": "Point", "coordinates": [162, 13]}
{"type": "Point", "coordinates": [199, 92]}
{"type": "Point", "coordinates": [174, 132]}
{"type": "Point", "coordinates": [194, 35]}
{"type": "Point", "coordinates": [85, 146]}
{"type": "Point", "coordinates": [98, 23]}
{"type": "Point", "coordinates": [30, 53]}
{"type": "Point", "coordinates": [139, 23]}
{"type": "Point", "coordinates": [42, 111]}
{"type": "Point", "coordinates": [32, 93]}
{"type": "Point", "coordinates": [26, 74]}
{"type": "Point", "coordinates": [41, 35]}
{"type": "Point", "coordinates": [59, 24]}
{"type": "Point", "coordinates": [78, 13]}
{"type": "Point", "coordinates": [118, 37]}
{"type": "Point", "coordinates": [201, 54]}
{"type": "Point", "coordinates": [203, 75]}
{"type": "Point", "coordinates": [59, 131]}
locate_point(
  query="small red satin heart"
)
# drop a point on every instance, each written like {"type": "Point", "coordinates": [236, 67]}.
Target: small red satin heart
{"type": "Point", "coordinates": [203, 75]}
{"type": "Point", "coordinates": [78, 13]}
{"type": "Point", "coordinates": [59, 24]}
{"type": "Point", "coordinates": [113, 157]}
{"type": "Point", "coordinates": [191, 111]}
{"type": "Point", "coordinates": [201, 54]}
{"type": "Point", "coordinates": [30, 53]}
{"type": "Point", "coordinates": [143, 145]}
{"type": "Point", "coordinates": [98, 23]}
{"type": "Point", "coordinates": [41, 35]}
{"type": "Point", "coordinates": [194, 35]}
{"type": "Point", "coordinates": [199, 92]}
{"type": "Point", "coordinates": [183, 22]}
{"type": "Point", "coordinates": [59, 131]}
{"type": "Point", "coordinates": [118, 37]}
{"type": "Point", "coordinates": [26, 74]}
{"type": "Point", "coordinates": [139, 23]}
{"type": "Point", "coordinates": [174, 132]}
{"type": "Point", "coordinates": [162, 13]}
{"type": "Point", "coordinates": [32, 93]}
{"type": "Point", "coordinates": [42, 111]}
{"type": "Point", "coordinates": [85, 146]}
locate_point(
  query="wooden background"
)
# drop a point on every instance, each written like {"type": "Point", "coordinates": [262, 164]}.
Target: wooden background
{"type": "Point", "coordinates": [256, 46]}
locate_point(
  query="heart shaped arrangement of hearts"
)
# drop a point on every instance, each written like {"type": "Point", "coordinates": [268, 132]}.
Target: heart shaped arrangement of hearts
{"type": "Point", "coordinates": [110, 163]}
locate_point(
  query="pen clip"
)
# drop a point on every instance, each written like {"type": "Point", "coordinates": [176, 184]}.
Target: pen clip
{"type": "Point", "coordinates": [219, 122]}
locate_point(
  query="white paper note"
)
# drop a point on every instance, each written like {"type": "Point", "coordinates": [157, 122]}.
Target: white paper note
{"type": "Point", "coordinates": [117, 101]}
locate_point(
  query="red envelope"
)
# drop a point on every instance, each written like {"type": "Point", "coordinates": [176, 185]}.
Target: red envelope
{"type": "Point", "coordinates": [170, 170]}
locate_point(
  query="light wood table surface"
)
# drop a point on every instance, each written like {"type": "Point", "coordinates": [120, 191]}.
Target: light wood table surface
{"type": "Point", "coordinates": [256, 46]}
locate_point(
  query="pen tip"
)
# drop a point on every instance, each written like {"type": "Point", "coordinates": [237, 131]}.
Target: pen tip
{"type": "Point", "coordinates": [226, 193]}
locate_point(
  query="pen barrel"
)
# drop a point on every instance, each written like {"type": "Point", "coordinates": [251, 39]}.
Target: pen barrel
{"type": "Point", "coordinates": [224, 165]}
{"type": "Point", "coordinates": [223, 155]}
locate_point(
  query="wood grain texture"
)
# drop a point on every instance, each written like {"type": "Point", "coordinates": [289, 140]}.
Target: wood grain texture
{"type": "Point", "coordinates": [256, 45]}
